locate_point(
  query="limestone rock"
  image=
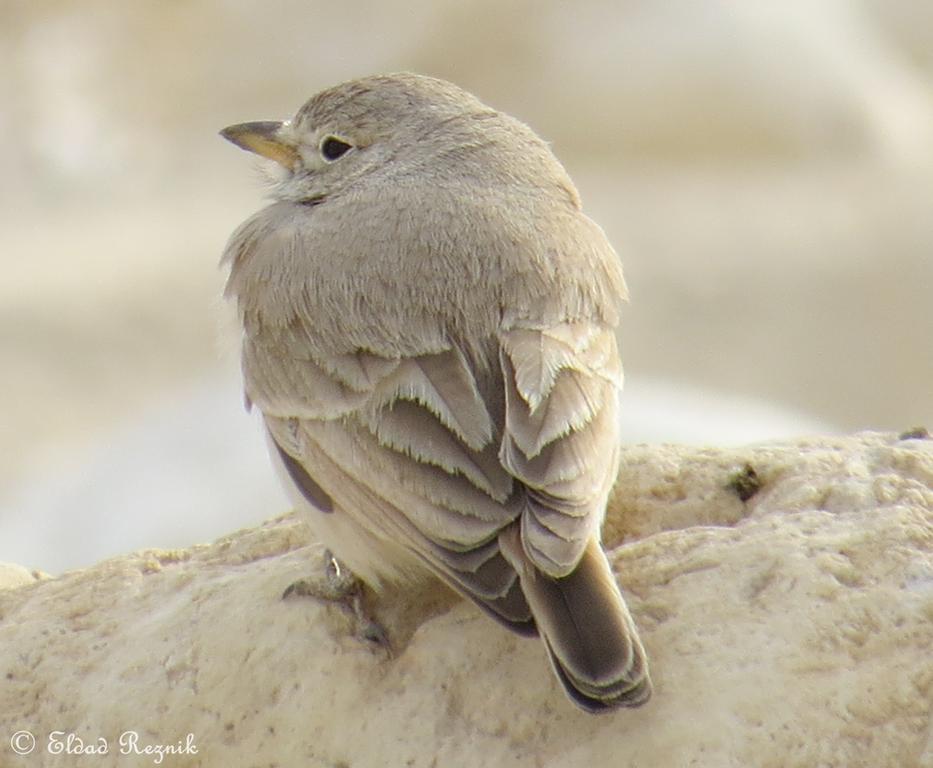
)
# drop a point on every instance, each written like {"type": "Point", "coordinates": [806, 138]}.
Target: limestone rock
{"type": "Point", "coordinates": [784, 594]}
{"type": "Point", "coordinates": [12, 575]}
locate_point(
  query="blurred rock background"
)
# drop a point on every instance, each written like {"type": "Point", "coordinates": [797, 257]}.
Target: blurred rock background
{"type": "Point", "coordinates": [764, 169]}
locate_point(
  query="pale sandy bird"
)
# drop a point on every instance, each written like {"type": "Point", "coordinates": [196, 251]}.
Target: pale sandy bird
{"type": "Point", "coordinates": [429, 331]}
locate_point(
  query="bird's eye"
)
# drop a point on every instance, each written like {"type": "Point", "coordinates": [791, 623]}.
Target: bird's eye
{"type": "Point", "coordinates": [333, 148]}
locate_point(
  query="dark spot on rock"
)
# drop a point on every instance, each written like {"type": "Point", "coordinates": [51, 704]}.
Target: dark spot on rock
{"type": "Point", "coordinates": [745, 482]}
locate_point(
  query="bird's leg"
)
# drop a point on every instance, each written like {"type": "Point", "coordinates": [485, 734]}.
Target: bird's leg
{"type": "Point", "coordinates": [340, 586]}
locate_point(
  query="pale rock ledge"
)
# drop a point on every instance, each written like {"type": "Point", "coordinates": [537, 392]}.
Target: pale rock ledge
{"type": "Point", "coordinates": [791, 629]}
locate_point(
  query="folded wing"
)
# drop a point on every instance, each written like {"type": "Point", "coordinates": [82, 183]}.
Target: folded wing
{"type": "Point", "coordinates": [561, 435]}
{"type": "Point", "coordinates": [407, 447]}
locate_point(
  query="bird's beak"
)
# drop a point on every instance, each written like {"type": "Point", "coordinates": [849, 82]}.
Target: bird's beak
{"type": "Point", "coordinates": [264, 138]}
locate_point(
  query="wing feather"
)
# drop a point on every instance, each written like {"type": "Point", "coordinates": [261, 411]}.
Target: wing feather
{"type": "Point", "coordinates": [409, 428]}
{"type": "Point", "coordinates": [561, 435]}
{"type": "Point", "coordinates": [572, 401]}
{"type": "Point", "coordinates": [444, 385]}
{"type": "Point", "coordinates": [479, 571]}
{"type": "Point", "coordinates": [292, 387]}
{"type": "Point", "coordinates": [405, 447]}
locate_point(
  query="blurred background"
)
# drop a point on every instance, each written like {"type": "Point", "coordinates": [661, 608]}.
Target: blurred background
{"type": "Point", "coordinates": [764, 169]}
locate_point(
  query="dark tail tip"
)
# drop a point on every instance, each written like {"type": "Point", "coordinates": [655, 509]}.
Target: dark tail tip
{"type": "Point", "coordinates": [630, 690]}
{"type": "Point", "coordinates": [589, 633]}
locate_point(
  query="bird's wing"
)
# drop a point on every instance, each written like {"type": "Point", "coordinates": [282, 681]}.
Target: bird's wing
{"type": "Point", "coordinates": [407, 446]}
{"type": "Point", "coordinates": [561, 434]}
{"type": "Point", "coordinates": [561, 442]}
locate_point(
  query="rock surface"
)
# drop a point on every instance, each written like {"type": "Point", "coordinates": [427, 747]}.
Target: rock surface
{"type": "Point", "coordinates": [794, 628]}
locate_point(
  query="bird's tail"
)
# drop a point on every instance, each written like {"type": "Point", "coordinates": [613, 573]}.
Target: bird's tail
{"type": "Point", "coordinates": [587, 629]}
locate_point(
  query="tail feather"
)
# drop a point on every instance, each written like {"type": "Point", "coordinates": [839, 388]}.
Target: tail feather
{"type": "Point", "coordinates": [588, 631]}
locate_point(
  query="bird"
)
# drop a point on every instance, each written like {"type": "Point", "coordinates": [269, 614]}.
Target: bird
{"type": "Point", "coordinates": [429, 332]}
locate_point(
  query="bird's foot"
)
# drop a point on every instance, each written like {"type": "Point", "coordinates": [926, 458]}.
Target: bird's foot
{"type": "Point", "coordinates": [341, 587]}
